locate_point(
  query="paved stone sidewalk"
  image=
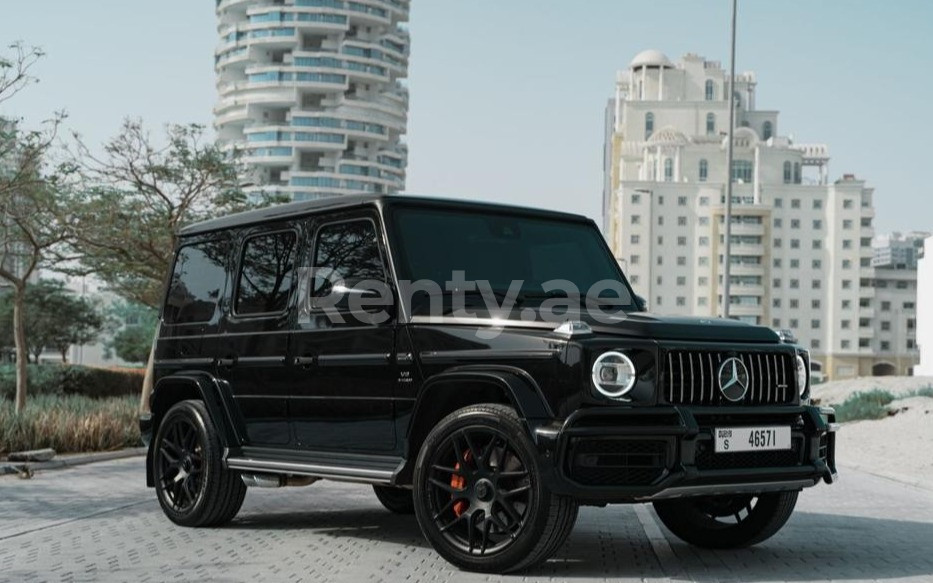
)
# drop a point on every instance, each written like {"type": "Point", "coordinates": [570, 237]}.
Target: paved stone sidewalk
{"type": "Point", "coordinates": [99, 523]}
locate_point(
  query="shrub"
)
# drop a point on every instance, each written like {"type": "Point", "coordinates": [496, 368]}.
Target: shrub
{"type": "Point", "coordinates": [868, 405]}
{"type": "Point", "coordinates": [69, 423]}
{"type": "Point", "coordinates": [53, 379]}
{"type": "Point", "coordinates": [924, 392]}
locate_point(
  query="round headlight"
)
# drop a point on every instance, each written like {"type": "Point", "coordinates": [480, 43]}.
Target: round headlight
{"type": "Point", "coordinates": [803, 374]}
{"type": "Point", "coordinates": [613, 374]}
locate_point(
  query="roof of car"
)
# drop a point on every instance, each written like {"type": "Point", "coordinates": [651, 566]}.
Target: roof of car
{"type": "Point", "coordinates": [337, 202]}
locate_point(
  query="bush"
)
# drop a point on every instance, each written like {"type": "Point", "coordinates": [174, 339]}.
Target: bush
{"type": "Point", "coordinates": [924, 392]}
{"type": "Point", "coordinates": [54, 379]}
{"type": "Point", "coordinates": [69, 424]}
{"type": "Point", "coordinates": [868, 405]}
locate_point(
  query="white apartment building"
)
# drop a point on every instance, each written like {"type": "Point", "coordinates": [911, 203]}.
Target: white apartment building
{"type": "Point", "coordinates": [801, 245]}
{"type": "Point", "coordinates": [311, 93]}
{"type": "Point", "coordinates": [925, 309]}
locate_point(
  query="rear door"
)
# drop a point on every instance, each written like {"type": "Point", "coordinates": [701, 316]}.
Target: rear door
{"type": "Point", "coordinates": [343, 374]}
{"type": "Point", "coordinates": [252, 348]}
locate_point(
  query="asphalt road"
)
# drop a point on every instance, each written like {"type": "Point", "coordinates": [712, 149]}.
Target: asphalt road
{"type": "Point", "coordinates": [100, 523]}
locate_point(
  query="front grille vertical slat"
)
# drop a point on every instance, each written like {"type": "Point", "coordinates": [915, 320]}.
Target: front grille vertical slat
{"type": "Point", "coordinates": [692, 379]}
{"type": "Point", "coordinates": [768, 373]}
{"type": "Point", "coordinates": [681, 359]}
{"type": "Point", "coordinates": [761, 377]}
{"type": "Point", "coordinates": [768, 358]}
{"type": "Point", "coordinates": [702, 377]}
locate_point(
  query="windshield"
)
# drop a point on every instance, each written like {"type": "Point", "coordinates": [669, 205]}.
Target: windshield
{"type": "Point", "coordinates": [533, 258]}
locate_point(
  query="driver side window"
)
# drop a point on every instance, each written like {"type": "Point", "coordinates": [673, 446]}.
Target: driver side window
{"type": "Point", "coordinates": [345, 254]}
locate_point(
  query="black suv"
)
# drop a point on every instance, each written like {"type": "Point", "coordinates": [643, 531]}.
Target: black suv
{"type": "Point", "coordinates": [485, 367]}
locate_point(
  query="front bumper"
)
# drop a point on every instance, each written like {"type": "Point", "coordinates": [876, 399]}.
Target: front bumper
{"type": "Point", "coordinates": [605, 455]}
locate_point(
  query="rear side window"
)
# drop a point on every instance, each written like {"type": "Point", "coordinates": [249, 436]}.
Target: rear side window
{"type": "Point", "coordinates": [347, 252]}
{"type": "Point", "coordinates": [197, 283]}
{"type": "Point", "coordinates": [266, 274]}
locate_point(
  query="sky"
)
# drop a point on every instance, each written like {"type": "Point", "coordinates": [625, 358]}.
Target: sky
{"type": "Point", "coordinates": [508, 96]}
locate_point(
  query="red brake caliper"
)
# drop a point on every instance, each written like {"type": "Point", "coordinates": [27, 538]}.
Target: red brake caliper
{"type": "Point", "coordinates": [458, 482]}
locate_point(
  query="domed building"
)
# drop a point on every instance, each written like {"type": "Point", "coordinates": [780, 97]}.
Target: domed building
{"type": "Point", "coordinates": [801, 245]}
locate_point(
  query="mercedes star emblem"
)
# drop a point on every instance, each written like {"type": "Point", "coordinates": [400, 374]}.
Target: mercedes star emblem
{"type": "Point", "coordinates": [733, 379]}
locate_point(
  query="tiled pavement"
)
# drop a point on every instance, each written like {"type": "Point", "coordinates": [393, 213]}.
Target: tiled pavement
{"type": "Point", "coordinates": [100, 523]}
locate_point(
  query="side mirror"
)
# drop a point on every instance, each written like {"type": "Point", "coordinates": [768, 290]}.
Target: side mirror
{"type": "Point", "coordinates": [641, 304]}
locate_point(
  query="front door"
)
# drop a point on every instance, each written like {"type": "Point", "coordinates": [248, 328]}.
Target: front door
{"type": "Point", "coordinates": [253, 345]}
{"type": "Point", "coordinates": [340, 351]}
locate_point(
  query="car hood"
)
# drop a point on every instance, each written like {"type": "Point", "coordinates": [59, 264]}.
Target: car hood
{"type": "Point", "coordinates": [656, 327]}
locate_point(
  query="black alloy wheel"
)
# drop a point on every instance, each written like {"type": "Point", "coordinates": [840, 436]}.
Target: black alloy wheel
{"type": "Point", "coordinates": [726, 522]}
{"type": "Point", "coordinates": [479, 496]}
{"type": "Point", "coordinates": [192, 485]}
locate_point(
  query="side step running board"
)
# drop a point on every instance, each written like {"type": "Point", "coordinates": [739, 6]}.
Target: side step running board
{"type": "Point", "coordinates": [333, 472]}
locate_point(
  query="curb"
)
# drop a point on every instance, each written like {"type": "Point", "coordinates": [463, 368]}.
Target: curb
{"type": "Point", "coordinates": [71, 460]}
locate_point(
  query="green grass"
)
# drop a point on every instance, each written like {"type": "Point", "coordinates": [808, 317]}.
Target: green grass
{"type": "Point", "coordinates": [868, 405]}
{"type": "Point", "coordinates": [924, 392]}
{"type": "Point", "coordinates": [70, 424]}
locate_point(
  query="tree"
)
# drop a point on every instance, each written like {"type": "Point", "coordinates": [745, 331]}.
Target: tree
{"type": "Point", "coordinates": [54, 319]}
{"type": "Point", "coordinates": [34, 210]}
{"type": "Point", "coordinates": [139, 195]}
{"type": "Point", "coordinates": [133, 325]}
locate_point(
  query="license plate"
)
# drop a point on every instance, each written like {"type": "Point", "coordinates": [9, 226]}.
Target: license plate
{"type": "Point", "coordinates": [752, 439]}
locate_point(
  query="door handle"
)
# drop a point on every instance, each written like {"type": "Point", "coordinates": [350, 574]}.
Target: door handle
{"type": "Point", "coordinates": [226, 362]}
{"type": "Point", "coordinates": [305, 361]}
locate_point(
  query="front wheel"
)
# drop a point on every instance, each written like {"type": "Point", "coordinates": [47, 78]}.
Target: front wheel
{"type": "Point", "coordinates": [727, 522]}
{"type": "Point", "coordinates": [193, 487]}
{"type": "Point", "coordinates": [479, 494]}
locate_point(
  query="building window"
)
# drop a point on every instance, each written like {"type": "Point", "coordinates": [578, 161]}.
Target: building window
{"type": "Point", "coordinates": [682, 221]}
{"type": "Point", "coordinates": [710, 90]}
{"type": "Point", "coordinates": [815, 344]}
{"type": "Point", "coordinates": [797, 178]}
{"type": "Point", "coordinates": [795, 203]}
{"type": "Point", "coordinates": [816, 284]}
{"type": "Point", "coordinates": [702, 281]}
{"type": "Point", "coordinates": [766, 130]}
{"type": "Point", "coordinates": [668, 170]}
{"type": "Point", "coordinates": [681, 241]}
{"type": "Point", "coordinates": [636, 239]}
{"type": "Point", "coordinates": [885, 345]}
{"type": "Point", "coordinates": [848, 203]}
{"type": "Point", "coordinates": [815, 304]}
{"type": "Point", "coordinates": [817, 204]}
{"type": "Point", "coordinates": [788, 172]}
{"type": "Point", "coordinates": [636, 198]}
{"type": "Point", "coordinates": [633, 260]}
{"type": "Point", "coordinates": [795, 243]}
{"type": "Point", "coordinates": [681, 301]}
{"type": "Point", "coordinates": [817, 243]}
{"type": "Point", "coordinates": [778, 203]}
{"type": "Point", "coordinates": [817, 264]}
{"type": "Point", "coordinates": [885, 326]}
{"type": "Point", "coordinates": [681, 280]}
{"type": "Point", "coordinates": [681, 201]}
{"type": "Point", "coordinates": [777, 242]}
{"type": "Point", "coordinates": [817, 224]}
{"type": "Point", "coordinates": [778, 222]}
{"type": "Point", "coordinates": [847, 224]}
{"type": "Point", "coordinates": [704, 170]}
{"type": "Point", "coordinates": [633, 279]}
{"type": "Point", "coordinates": [794, 263]}
{"type": "Point", "coordinates": [742, 170]}
{"type": "Point", "coordinates": [701, 301]}
{"type": "Point", "coordinates": [846, 324]}
{"type": "Point", "coordinates": [649, 124]}
{"type": "Point", "coordinates": [845, 344]}
{"type": "Point", "coordinates": [636, 219]}
{"type": "Point", "coordinates": [795, 223]}
{"type": "Point", "coordinates": [815, 324]}
{"type": "Point", "coordinates": [681, 260]}
{"type": "Point", "coordinates": [710, 124]}
{"type": "Point", "coordinates": [885, 306]}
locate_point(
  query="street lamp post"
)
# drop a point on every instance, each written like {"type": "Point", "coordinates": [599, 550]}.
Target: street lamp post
{"type": "Point", "coordinates": [727, 255]}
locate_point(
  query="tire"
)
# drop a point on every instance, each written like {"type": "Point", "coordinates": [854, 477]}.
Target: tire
{"type": "Point", "coordinates": [187, 445]}
{"type": "Point", "coordinates": [480, 498]}
{"type": "Point", "coordinates": [717, 522]}
{"type": "Point", "coordinates": [397, 500]}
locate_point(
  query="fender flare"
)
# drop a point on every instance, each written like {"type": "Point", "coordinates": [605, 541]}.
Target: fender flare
{"type": "Point", "coordinates": [519, 387]}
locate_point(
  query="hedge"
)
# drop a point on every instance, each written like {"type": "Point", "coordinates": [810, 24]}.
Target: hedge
{"type": "Point", "coordinates": [56, 379]}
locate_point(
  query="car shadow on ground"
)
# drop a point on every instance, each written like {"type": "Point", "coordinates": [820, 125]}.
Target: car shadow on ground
{"type": "Point", "coordinates": [813, 546]}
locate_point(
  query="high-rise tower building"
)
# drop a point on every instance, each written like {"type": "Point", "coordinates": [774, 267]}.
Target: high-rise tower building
{"type": "Point", "coordinates": [310, 93]}
{"type": "Point", "coordinates": [801, 244]}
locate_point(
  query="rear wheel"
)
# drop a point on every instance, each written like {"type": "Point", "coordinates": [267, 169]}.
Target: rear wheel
{"type": "Point", "coordinates": [726, 522]}
{"type": "Point", "coordinates": [479, 495]}
{"type": "Point", "coordinates": [193, 487]}
{"type": "Point", "coordinates": [397, 500]}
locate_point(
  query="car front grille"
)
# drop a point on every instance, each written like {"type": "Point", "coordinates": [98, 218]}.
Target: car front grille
{"type": "Point", "coordinates": [691, 377]}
